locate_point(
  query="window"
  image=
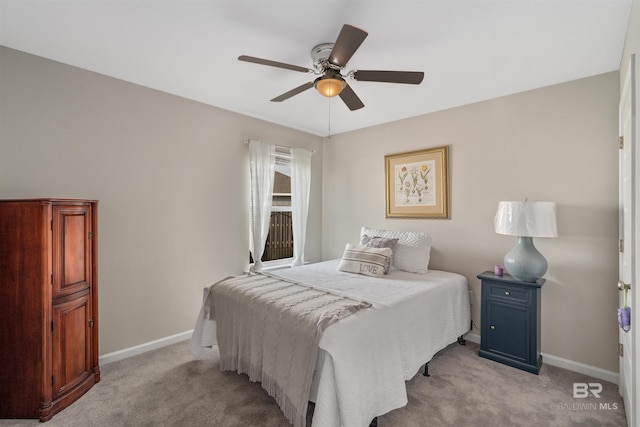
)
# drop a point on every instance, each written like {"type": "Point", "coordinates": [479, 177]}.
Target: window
{"type": "Point", "coordinates": [279, 244]}
{"type": "Point", "coordinates": [290, 204]}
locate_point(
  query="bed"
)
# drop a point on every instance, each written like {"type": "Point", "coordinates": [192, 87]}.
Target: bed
{"type": "Point", "coordinates": [363, 359]}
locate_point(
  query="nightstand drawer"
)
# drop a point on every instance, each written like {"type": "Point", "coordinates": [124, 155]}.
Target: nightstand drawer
{"type": "Point", "coordinates": [509, 292]}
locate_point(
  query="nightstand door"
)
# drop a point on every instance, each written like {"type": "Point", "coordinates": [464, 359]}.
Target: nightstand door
{"type": "Point", "coordinates": [507, 330]}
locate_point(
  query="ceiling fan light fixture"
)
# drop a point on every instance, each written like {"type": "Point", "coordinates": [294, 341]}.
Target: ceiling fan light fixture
{"type": "Point", "coordinates": [329, 86]}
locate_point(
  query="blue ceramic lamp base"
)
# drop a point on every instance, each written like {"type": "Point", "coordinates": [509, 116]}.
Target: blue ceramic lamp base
{"type": "Point", "coordinates": [524, 262]}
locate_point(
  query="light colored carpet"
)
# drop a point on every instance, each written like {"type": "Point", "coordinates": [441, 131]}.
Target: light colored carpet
{"type": "Point", "coordinates": [168, 387]}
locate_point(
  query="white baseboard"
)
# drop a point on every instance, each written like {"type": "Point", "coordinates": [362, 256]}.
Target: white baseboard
{"type": "Point", "coordinates": [581, 368]}
{"type": "Point", "coordinates": [559, 362]}
{"type": "Point", "coordinates": [549, 359]}
{"type": "Point", "coordinates": [105, 359]}
{"type": "Point", "coordinates": [473, 337]}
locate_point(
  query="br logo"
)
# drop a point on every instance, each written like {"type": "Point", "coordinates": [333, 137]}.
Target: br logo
{"type": "Point", "coordinates": [582, 390]}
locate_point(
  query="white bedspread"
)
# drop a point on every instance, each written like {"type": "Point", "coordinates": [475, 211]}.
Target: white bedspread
{"type": "Point", "coordinates": [369, 355]}
{"type": "Point", "coordinates": [366, 358]}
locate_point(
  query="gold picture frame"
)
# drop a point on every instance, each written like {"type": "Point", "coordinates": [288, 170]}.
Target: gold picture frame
{"type": "Point", "coordinates": [417, 184]}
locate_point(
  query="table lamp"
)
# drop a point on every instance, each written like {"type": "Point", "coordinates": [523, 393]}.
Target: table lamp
{"type": "Point", "coordinates": [526, 220]}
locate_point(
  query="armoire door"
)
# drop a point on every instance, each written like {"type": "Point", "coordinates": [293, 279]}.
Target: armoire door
{"type": "Point", "coordinates": [71, 346]}
{"type": "Point", "coordinates": [71, 227]}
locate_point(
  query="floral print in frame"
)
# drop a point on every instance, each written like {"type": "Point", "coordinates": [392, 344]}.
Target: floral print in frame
{"type": "Point", "coordinates": [417, 184]}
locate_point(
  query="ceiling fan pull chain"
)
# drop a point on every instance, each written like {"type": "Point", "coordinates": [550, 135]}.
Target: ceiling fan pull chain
{"type": "Point", "coordinates": [329, 130]}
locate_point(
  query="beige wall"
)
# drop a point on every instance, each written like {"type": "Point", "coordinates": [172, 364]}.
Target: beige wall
{"type": "Point", "coordinates": [170, 175]}
{"type": "Point", "coordinates": [557, 143]}
{"type": "Point", "coordinates": [171, 178]}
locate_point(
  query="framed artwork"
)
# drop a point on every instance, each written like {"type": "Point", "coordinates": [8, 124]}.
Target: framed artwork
{"type": "Point", "coordinates": [417, 184]}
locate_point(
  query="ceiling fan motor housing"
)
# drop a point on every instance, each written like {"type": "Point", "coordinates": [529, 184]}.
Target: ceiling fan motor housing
{"type": "Point", "coordinates": [320, 55]}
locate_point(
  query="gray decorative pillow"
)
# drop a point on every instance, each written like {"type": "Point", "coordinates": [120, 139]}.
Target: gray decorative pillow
{"type": "Point", "coordinates": [412, 251]}
{"type": "Point", "coordinates": [364, 260]}
{"type": "Point", "coordinates": [380, 242]}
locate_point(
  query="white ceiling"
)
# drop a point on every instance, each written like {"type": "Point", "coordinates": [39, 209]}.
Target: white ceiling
{"type": "Point", "coordinates": [469, 50]}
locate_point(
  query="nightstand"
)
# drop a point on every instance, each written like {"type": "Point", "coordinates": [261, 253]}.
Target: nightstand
{"type": "Point", "coordinates": [510, 321]}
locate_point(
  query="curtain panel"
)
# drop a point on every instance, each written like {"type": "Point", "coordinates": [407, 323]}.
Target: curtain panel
{"type": "Point", "coordinates": [262, 161]}
{"type": "Point", "coordinates": [300, 189]}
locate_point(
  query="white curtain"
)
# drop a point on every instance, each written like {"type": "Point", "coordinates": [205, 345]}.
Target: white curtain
{"type": "Point", "coordinates": [300, 188]}
{"type": "Point", "coordinates": [262, 160]}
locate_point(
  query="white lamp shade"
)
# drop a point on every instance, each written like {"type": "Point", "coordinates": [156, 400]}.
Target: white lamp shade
{"type": "Point", "coordinates": [532, 219]}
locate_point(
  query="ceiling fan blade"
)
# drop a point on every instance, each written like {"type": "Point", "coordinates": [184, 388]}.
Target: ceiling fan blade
{"type": "Point", "coordinates": [350, 98]}
{"type": "Point", "coordinates": [348, 41]}
{"type": "Point", "coordinates": [293, 92]}
{"type": "Point", "coordinates": [273, 63]}
{"type": "Point", "coordinates": [408, 77]}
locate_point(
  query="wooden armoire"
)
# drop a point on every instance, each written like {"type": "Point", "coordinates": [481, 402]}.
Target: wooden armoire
{"type": "Point", "coordinates": [48, 305]}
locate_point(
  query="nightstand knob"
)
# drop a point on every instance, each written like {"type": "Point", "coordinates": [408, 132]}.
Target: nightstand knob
{"type": "Point", "coordinates": [493, 327]}
{"type": "Point", "coordinates": [507, 293]}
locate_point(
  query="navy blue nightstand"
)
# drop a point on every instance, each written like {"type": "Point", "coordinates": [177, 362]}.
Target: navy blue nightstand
{"type": "Point", "coordinates": [510, 323]}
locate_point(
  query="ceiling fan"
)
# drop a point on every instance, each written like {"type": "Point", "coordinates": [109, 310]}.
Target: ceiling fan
{"type": "Point", "coordinates": [329, 59]}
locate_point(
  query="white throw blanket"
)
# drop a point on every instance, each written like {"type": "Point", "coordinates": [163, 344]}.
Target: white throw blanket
{"type": "Point", "coordinates": [269, 328]}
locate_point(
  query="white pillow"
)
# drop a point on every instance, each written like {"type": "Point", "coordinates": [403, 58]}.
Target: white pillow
{"type": "Point", "coordinates": [379, 242]}
{"type": "Point", "coordinates": [411, 253]}
{"type": "Point", "coordinates": [364, 260]}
